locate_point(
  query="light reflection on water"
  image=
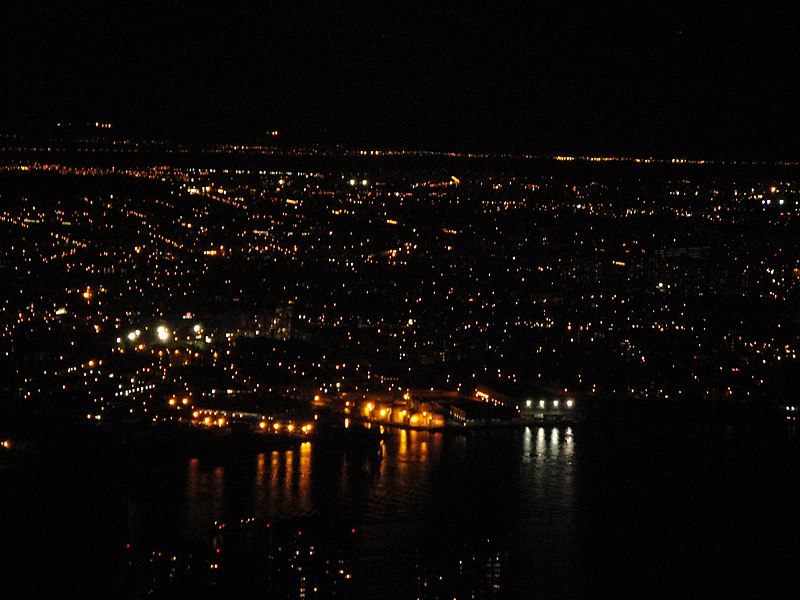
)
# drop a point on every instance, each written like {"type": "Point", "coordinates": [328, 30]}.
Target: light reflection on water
{"type": "Point", "coordinates": [624, 512]}
{"type": "Point", "coordinates": [419, 490]}
{"type": "Point", "coordinates": [410, 468]}
{"type": "Point", "coordinates": [205, 496]}
{"type": "Point", "coordinates": [545, 526]}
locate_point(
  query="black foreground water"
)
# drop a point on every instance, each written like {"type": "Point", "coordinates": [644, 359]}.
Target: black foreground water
{"type": "Point", "coordinates": [640, 509]}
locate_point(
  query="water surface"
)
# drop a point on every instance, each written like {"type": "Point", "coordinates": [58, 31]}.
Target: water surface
{"type": "Point", "coordinates": [539, 512]}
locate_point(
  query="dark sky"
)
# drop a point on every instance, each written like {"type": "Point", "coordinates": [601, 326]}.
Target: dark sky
{"type": "Point", "coordinates": [548, 76]}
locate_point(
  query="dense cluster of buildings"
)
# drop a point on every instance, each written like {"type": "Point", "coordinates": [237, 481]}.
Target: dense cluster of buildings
{"type": "Point", "coordinates": [195, 287]}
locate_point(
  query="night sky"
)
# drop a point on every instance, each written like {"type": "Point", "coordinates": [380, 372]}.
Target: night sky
{"type": "Point", "coordinates": [664, 79]}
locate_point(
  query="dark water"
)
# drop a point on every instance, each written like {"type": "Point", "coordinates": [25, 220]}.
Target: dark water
{"type": "Point", "coordinates": [639, 510]}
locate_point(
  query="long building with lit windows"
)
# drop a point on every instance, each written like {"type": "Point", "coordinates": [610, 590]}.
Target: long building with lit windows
{"type": "Point", "coordinates": [549, 410]}
{"type": "Point", "coordinates": [543, 409]}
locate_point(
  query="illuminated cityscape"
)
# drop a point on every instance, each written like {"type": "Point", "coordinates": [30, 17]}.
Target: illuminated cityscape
{"type": "Point", "coordinates": [248, 311]}
{"type": "Point", "coordinates": [371, 301]}
{"type": "Point", "coordinates": [216, 294]}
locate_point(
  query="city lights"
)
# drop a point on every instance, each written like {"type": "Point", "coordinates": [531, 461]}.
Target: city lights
{"type": "Point", "coordinates": [399, 301]}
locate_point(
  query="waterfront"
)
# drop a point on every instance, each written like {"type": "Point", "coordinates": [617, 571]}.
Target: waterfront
{"type": "Point", "coordinates": [536, 512]}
